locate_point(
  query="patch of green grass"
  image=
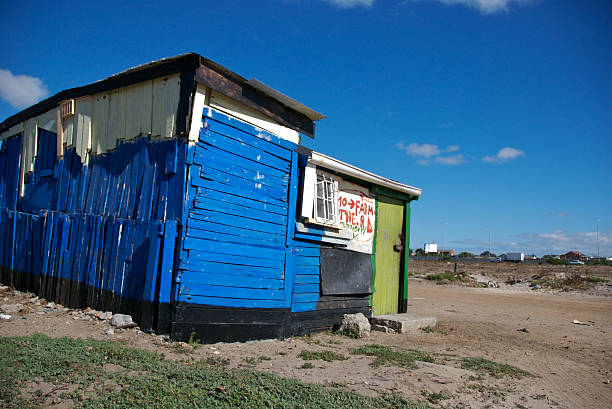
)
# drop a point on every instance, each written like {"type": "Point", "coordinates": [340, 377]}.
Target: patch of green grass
{"type": "Point", "coordinates": [493, 368]}
{"type": "Point", "coordinates": [147, 379]}
{"type": "Point", "coordinates": [307, 365]}
{"type": "Point", "coordinates": [216, 361]}
{"type": "Point", "coordinates": [388, 356]}
{"type": "Point", "coordinates": [264, 358]}
{"type": "Point", "coordinates": [339, 333]}
{"type": "Point", "coordinates": [596, 280]}
{"type": "Point", "coordinates": [435, 397]}
{"type": "Point", "coordinates": [309, 340]}
{"type": "Point", "coordinates": [428, 330]}
{"type": "Point", "coordinates": [492, 391]}
{"type": "Point", "coordinates": [327, 356]}
{"type": "Point", "coordinates": [442, 278]}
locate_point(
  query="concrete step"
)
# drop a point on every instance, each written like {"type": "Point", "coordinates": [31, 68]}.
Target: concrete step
{"type": "Point", "coordinates": [401, 322]}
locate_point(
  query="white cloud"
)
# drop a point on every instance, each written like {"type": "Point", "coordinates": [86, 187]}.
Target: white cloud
{"type": "Point", "coordinates": [427, 152]}
{"type": "Point", "coordinates": [560, 214]}
{"type": "Point", "coordinates": [21, 90]}
{"type": "Point", "coordinates": [450, 160]}
{"type": "Point", "coordinates": [347, 4]}
{"type": "Point", "coordinates": [486, 6]}
{"type": "Point", "coordinates": [559, 242]}
{"type": "Point", "coordinates": [414, 149]}
{"type": "Point", "coordinates": [504, 155]}
{"type": "Point", "coordinates": [553, 242]}
{"type": "Point", "coordinates": [452, 148]}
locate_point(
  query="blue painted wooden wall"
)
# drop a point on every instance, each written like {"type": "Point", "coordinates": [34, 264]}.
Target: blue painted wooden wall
{"type": "Point", "coordinates": [99, 235]}
{"type": "Point", "coordinates": [240, 211]}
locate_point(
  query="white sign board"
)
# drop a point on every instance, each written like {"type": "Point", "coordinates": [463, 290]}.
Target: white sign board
{"type": "Point", "coordinates": [357, 210]}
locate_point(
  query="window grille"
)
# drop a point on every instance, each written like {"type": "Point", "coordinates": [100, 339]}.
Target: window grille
{"type": "Point", "coordinates": [326, 199]}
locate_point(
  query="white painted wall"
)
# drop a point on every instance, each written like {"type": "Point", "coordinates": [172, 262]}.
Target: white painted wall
{"type": "Point", "coordinates": [249, 115]}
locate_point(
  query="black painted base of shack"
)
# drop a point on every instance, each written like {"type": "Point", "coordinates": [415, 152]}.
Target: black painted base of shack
{"type": "Point", "coordinates": [210, 324]}
{"type": "Point", "coordinates": [149, 316]}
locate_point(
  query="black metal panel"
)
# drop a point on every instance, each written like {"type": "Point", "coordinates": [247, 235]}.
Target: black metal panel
{"type": "Point", "coordinates": [345, 272]}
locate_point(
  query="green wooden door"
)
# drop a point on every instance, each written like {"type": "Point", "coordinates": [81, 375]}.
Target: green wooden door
{"type": "Point", "coordinates": [387, 261]}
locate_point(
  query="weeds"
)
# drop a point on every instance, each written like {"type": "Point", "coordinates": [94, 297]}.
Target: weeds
{"type": "Point", "coordinates": [307, 365]}
{"type": "Point", "coordinates": [388, 356]}
{"type": "Point", "coordinates": [492, 391]}
{"type": "Point", "coordinates": [148, 380]}
{"type": "Point", "coordinates": [309, 340]}
{"type": "Point", "coordinates": [444, 278]}
{"type": "Point", "coordinates": [327, 356]}
{"type": "Point", "coordinates": [435, 397]}
{"type": "Point", "coordinates": [571, 281]}
{"type": "Point", "coordinates": [192, 342]}
{"type": "Point", "coordinates": [493, 368]}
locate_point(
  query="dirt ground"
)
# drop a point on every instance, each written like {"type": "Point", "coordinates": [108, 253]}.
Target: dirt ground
{"type": "Point", "coordinates": [532, 330]}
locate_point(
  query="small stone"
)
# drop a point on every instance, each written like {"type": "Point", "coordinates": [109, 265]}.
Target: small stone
{"type": "Point", "coordinates": [355, 324]}
{"type": "Point", "coordinates": [110, 331]}
{"type": "Point", "coordinates": [11, 308]}
{"type": "Point", "coordinates": [5, 317]}
{"type": "Point", "coordinates": [122, 321]}
{"type": "Point", "coordinates": [33, 300]}
{"type": "Point", "coordinates": [50, 305]}
{"type": "Point", "coordinates": [90, 312]}
{"type": "Point", "coordinates": [105, 316]}
{"type": "Point", "coordinates": [3, 287]}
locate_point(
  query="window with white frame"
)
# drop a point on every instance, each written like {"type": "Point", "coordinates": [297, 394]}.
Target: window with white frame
{"type": "Point", "coordinates": [320, 198]}
{"type": "Point", "coordinates": [326, 199]}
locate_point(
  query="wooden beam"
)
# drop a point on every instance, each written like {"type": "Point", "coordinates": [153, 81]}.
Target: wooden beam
{"type": "Point", "coordinates": [249, 96]}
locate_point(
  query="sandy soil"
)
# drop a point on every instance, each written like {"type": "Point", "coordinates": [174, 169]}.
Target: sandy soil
{"type": "Point", "coordinates": [515, 277]}
{"type": "Point", "coordinates": [531, 330]}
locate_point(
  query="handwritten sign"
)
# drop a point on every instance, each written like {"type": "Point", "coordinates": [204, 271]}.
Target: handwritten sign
{"type": "Point", "coordinates": [357, 211]}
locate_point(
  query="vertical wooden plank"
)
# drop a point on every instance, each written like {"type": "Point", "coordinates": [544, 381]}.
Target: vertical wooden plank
{"type": "Point", "coordinates": [157, 108]}
{"type": "Point", "coordinates": [165, 279]}
{"type": "Point", "coordinates": [290, 257]}
{"type": "Point", "coordinates": [171, 91]}
{"type": "Point", "coordinates": [68, 130]}
{"type": "Point", "coordinates": [139, 100]}
{"type": "Point", "coordinates": [149, 288]}
{"type": "Point", "coordinates": [83, 133]}
{"type": "Point", "coordinates": [406, 249]}
{"type": "Point", "coordinates": [60, 134]}
{"type": "Point", "coordinates": [99, 123]}
{"type": "Point", "coordinates": [95, 261]}
{"type": "Point", "coordinates": [45, 250]}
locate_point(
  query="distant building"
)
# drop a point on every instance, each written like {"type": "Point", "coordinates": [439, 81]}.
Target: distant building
{"type": "Point", "coordinates": [431, 248]}
{"type": "Point", "coordinates": [573, 255]}
{"type": "Point", "coordinates": [516, 257]}
{"type": "Point", "coordinates": [448, 253]}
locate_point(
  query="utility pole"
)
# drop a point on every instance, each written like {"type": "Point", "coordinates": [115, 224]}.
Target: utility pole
{"type": "Point", "coordinates": [598, 239]}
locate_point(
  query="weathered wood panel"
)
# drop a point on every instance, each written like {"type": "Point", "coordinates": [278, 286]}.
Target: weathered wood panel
{"type": "Point", "coordinates": [234, 245]}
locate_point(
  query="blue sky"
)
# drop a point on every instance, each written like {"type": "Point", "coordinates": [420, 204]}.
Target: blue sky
{"type": "Point", "coordinates": [500, 110]}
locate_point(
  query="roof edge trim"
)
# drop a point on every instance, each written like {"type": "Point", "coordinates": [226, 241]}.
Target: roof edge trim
{"type": "Point", "coordinates": [328, 162]}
